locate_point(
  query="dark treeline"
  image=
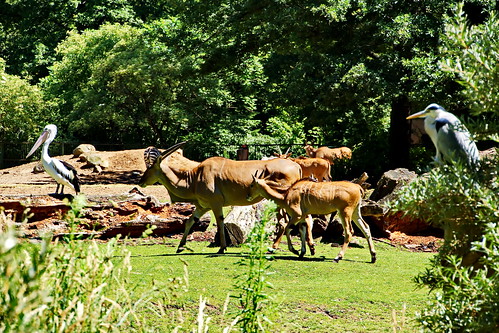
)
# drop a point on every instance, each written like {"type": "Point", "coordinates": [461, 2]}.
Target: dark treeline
{"type": "Point", "coordinates": [216, 73]}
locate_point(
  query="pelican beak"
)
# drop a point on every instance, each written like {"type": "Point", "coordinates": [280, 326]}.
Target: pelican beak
{"type": "Point", "coordinates": [420, 114]}
{"type": "Point", "coordinates": [43, 137]}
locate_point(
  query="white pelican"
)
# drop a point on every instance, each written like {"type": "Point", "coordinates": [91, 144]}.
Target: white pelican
{"type": "Point", "coordinates": [450, 137]}
{"type": "Point", "coordinates": [62, 172]}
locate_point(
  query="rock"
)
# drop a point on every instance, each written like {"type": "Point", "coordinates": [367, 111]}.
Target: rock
{"type": "Point", "coordinates": [390, 182]}
{"type": "Point", "coordinates": [240, 221]}
{"type": "Point", "coordinates": [94, 160]}
{"type": "Point", "coordinates": [83, 149]}
{"type": "Point", "coordinates": [386, 190]}
{"type": "Point", "coordinates": [160, 227]}
{"type": "Point", "coordinates": [38, 168]}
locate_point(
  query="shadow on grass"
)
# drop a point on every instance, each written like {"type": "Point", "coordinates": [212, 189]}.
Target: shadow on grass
{"type": "Point", "coordinates": [242, 255]}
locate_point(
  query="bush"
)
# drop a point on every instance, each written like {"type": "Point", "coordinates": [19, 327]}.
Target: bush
{"type": "Point", "coordinates": [465, 204]}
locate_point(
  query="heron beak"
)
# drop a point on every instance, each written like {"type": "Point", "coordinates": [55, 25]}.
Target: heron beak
{"type": "Point", "coordinates": [420, 114]}
{"type": "Point", "coordinates": [43, 137]}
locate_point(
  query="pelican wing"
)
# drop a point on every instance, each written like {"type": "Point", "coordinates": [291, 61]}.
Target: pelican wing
{"type": "Point", "coordinates": [65, 174]}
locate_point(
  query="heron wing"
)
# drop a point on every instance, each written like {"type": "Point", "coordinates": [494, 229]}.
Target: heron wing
{"type": "Point", "coordinates": [454, 141]}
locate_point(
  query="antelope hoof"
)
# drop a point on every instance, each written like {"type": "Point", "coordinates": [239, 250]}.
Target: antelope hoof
{"type": "Point", "coordinates": [221, 251]}
{"type": "Point", "coordinates": [180, 249]}
{"type": "Point", "coordinates": [271, 250]}
{"type": "Point", "coordinates": [312, 250]}
{"type": "Point", "coordinates": [337, 259]}
{"type": "Point", "coordinates": [295, 252]}
{"type": "Point", "coordinates": [373, 258]}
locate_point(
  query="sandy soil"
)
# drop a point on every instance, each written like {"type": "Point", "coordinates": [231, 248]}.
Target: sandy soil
{"type": "Point", "coordinates": [122, 175]}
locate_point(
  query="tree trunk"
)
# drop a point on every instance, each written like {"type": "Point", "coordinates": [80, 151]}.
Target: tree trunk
{"type": "Point", "coordinates": [399, 133]}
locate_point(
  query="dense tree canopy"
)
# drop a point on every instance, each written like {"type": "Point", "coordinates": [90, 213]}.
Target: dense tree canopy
{"type": "Point", "coordinates": [241, 71]}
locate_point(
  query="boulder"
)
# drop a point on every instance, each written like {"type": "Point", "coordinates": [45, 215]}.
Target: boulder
{"type": "Point", "coordinates": [240, 220]}
{"type": "Point", "coordinates": [390, 182]}
{"type": "Point", "coordinates": [94, 160]}
{"type": "Point", "coordinates": [83, 149]}
{"type": "Point", "coordinates": [386, 190]}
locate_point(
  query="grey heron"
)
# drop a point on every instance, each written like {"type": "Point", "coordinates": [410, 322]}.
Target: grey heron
{"type": "Point", "coordinates": [62, 172]}
{"type": "Point", "coordinates": [451, 138]}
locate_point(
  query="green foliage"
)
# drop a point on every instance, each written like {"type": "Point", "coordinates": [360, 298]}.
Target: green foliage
{"type": "Point", "coordinates": [469, 299]}
{"type": "Point", "coordinates": [470, 52]}
{"type": "Point", "coordinates": [21, 108]}
{"type": "Point", "coordinates": [465, 203]}
{"type": "Point", "coordinates": [253, 299]}
{"type": "Point", "coordinates": [78, 287]}
{"type": "Point", "coordinates": [240, 71]}
{"type": "Point", "coordinates": [452, 197]}
{"type": "Point", "coordinates": [109, 81]}
{"type": "Point", "coordinates": [31, 30]}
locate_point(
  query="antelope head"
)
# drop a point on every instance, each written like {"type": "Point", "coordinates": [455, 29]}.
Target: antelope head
{"type": "Point", "coordinates": [256, 186]}
{"type": "Point", "coordinates": [154, 173]}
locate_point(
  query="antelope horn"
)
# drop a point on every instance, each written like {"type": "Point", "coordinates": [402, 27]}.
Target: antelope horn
{"type": "Point", "coordinates": [170, 150]}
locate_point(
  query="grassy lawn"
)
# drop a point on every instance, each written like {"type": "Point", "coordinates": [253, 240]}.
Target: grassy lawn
{"type": "Point", "coordinates": [314, 294]}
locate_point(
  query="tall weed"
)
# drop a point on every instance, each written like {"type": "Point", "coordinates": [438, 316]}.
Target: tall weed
{"type": "Point", "coordinates": [70, 287]}
{"type": "Point", "coordinates": [253, 300]}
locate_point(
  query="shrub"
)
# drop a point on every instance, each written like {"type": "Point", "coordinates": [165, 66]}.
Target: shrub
{"type": "Point", "coordinates": [465, 204]}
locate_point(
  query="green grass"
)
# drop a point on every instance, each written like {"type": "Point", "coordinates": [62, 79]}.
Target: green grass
{"type": "Point", "coordinates": [314, 294]}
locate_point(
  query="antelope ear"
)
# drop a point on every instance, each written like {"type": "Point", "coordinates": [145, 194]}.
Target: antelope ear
{"type": "Point", "coordinates": [266, 177]}
{"type": "Point", "coordinates": [170, 150]}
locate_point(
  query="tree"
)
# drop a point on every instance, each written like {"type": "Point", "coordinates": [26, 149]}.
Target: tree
{"type": "Point", "coordinates": [31, 30]}
{"type": "Point", "coordinates": [348, 68]}
{"type": "Point", "coordinates": [21, 108]}
{"type": "Point", "coordinates": [470, 53]}
{"type": "Point", "coordinates": [119, 77]}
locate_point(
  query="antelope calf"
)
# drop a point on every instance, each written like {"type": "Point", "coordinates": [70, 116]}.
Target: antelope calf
{"type": "Point", "coordinates": [329, 154]}
{"type": "Point", "coordinates": [306, 197]}
{"type": "Point", "coordinates": [318, 168]}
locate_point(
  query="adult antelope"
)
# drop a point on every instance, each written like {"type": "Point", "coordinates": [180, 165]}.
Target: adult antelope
{"type": "Point", "coordinates": [329, 154]}
{"type": "Point", "coordinates": [215, 183]}
{"type": "Point", "coordinates": [307, 197]}
{"type": "Point", "coordinates": [318, 168]}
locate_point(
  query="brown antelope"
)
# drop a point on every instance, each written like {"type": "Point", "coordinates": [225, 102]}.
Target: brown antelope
{"type": "Point", "coordinates": [311, 166]}
{"type": "Point", "coordinates": [306, 197]}
{"type": "Point", "coordinates": [329, 154]}
{"type": "Point", "coordinates": [215, 183]}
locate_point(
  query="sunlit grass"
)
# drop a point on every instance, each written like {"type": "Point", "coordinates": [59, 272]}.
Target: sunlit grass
{"type": "Point", "coordinates": [313, 295]}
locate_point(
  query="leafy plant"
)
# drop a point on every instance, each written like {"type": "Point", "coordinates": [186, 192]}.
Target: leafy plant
{"type": "Point", "coordinates": [252, 284]}
{"type": "Point", "coordinates": [78, 286]}
{"type": "Point", "coordinates": [470, 52]}
{"type": "Point", "coordinates": [465, 203]}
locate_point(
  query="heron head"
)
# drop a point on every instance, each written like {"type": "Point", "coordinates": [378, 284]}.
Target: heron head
{"type": "Point", "coordinates": [431, 110]}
